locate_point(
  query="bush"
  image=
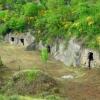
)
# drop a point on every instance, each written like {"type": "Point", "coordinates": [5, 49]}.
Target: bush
{"type": "Point", "coordinates": [32, 75]}
{"type": "Point", "coordinates": [44, 55]}
{"type": "Point", "coordinates": [30, 9]}
{"type": "Point", "coordinates": [52, 18]}
{"type": "Point", "coordinates": [1, 63]}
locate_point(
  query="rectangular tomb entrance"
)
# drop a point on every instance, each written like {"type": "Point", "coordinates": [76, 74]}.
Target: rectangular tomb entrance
{"type": "Point", "coordinates": [22, 41]}
{"type": "Point", "coordinates": [12, 39]}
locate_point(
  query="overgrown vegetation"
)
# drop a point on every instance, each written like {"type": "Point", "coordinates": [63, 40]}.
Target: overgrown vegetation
{"type": "Point", "coordinates": [44, 56]}
{"type": "Point", "coordinates": [53, 19]}
{"type": "Point", "coordinates": [1, 63]}
{"type": "Point", "coordinates": [30, 75]}
{"type": "Point", "coordinates": [30, 82]}
{"type": "Point", "coordinates": [49, 84]}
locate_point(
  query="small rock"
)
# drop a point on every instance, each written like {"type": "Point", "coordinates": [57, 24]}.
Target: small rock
{"type": "Point", "coordinates": [67, 77]}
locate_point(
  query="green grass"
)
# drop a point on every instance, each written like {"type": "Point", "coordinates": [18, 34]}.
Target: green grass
{"type": "Point", "coordinates": [31, 74]}
{"type": "Point", "coordinates": [28, 75]}
{"type": "Point", "coordinates": [18, 97]}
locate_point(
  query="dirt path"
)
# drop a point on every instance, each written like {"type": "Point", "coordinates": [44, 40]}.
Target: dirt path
{"type": "Point", "coordinates": [84, 84]}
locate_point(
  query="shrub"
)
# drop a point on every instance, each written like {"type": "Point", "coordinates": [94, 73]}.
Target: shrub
{"type": "Point", "coordinates": [30, 9]}
{"type": "Point", "coordinates": [32, 75]}
{"type": "Point", "coordinates": [44, 55]}
{"type": "Point", "coordinates": [1, 63]}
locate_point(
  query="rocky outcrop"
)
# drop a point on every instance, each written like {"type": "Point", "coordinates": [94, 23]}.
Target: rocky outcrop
{"type": "Point", "coordinates": [73, 53]}
{"type": "Point", "coordinates": [31, 47]}
{"type": "Point", "coordinates": [84, 56]}
{"type": "Point", "coordinates": [67, 53]}
{"type": "Point", "coordinates": [20, 39]}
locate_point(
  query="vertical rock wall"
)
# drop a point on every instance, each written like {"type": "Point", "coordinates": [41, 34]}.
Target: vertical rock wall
{"type": "Point", "coordinates": [73, 54]}
{"type": "Point", "coordinates": [84, 56]}
{"type": "Point", "coordinates": [24, 39]}
{"type": "Point", "coordinates": [69, 53]}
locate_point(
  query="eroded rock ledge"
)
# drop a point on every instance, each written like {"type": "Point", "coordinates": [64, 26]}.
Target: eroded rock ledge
{"type": "Point", "coordinates": [72, 53]}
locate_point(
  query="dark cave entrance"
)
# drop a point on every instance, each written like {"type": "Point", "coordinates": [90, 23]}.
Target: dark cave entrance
{"type": "Point", "coordinates": [22, 41]}
{"type": "Point", "coordinates": [12, 39]}
{"type": "Point", "coordinates": [48, 48]}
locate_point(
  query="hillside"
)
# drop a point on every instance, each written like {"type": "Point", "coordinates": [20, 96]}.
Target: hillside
{"type": "Point", "coordinates": [26, 77]}
{"type": "Point", "coordinates": [53, 19]}
{"type": "Point", "coordinates": [49, 49]}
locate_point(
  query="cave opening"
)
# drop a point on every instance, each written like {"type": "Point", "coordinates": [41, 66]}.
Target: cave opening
{"type": "Point", "coordinates": [90, 58]}
{"type": "Point", "coordinates": [22, 41]}
{"type": "Point", "coordinates": [48, 48]}
{"type": "Point", "coordinates": [12, 39]}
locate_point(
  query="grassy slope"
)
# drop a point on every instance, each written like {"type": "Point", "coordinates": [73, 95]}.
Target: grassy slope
{"type": "Point", "coordinates": [18, 98]}
{"type": "Point", "coordinates": [84, 86]}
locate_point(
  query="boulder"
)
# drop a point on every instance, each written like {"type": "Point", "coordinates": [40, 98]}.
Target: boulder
{"type": "Point", "coordinates": [31, 47]}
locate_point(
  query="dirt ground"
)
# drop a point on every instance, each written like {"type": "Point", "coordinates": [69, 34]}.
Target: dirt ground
{"type": "Point", "coordinates": [85, 84]}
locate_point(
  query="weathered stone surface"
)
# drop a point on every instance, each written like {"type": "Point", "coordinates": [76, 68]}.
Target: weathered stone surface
{"type": "Point", "coordinates": [31, 47]}
{"type": "Point", "coordinates": [69, 54]}
{"type": "Point", "coordinates": [84, 58]}
{"type": "Point", "coordinates": [23, 39]}
{"type": "Point", "coordinates": [67, 77]}
{"type": "Point", "coordinates": [40, 45]}
{"type": "Point", "coordinates": [73, 54]}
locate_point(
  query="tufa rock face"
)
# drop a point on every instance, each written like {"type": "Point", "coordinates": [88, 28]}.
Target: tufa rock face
{"type": "Point", "coordinates": [84, 58]}
{"type": "Point", "coordinates": [31, 47]}
{"type": "Point", "coordinates": [73, 54]}
{"type": "Point", "coordinates": [24, 39]}
{"type": "Point", "coordinates": [68, 54]}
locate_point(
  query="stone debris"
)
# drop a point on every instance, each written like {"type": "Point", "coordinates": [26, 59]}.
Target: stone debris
{"type": "Point", "coordinates": [67, 77]}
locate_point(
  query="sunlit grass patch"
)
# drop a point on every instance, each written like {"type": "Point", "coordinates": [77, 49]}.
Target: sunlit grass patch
{"type": "Point", "coordinates": [18, 97]}
{"type": "Point", "coordinates": [30, 75]}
